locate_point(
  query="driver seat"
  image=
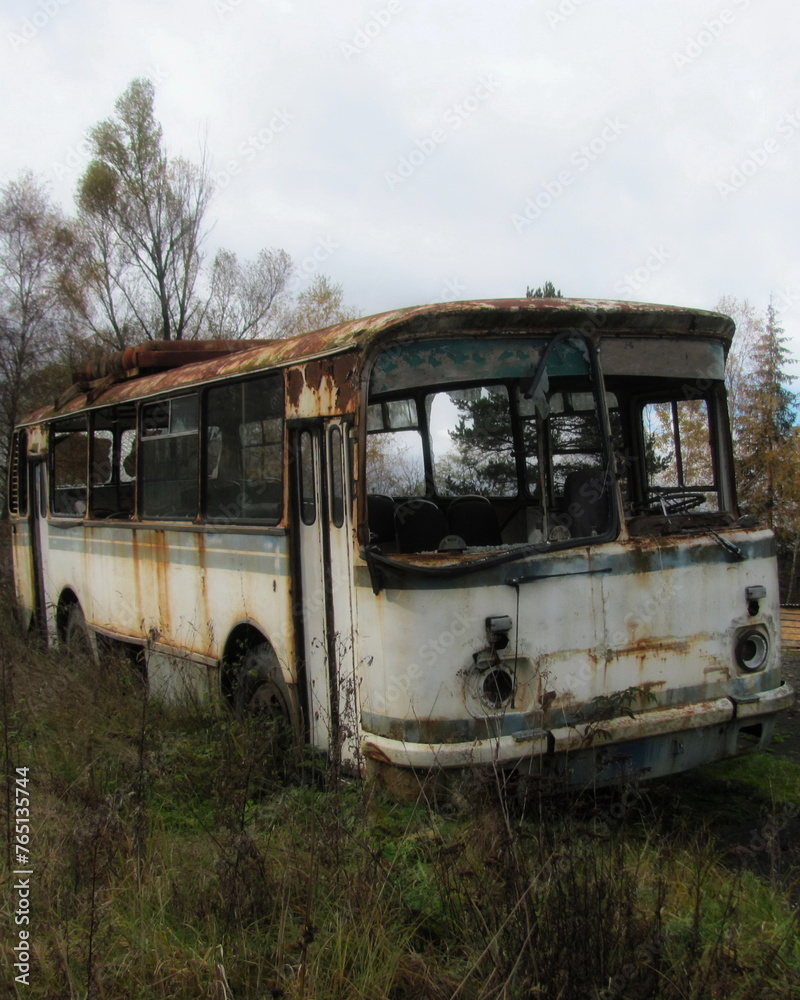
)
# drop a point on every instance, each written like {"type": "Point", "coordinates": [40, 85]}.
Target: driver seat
{"type": "Point", "coordinates": [586, 502]}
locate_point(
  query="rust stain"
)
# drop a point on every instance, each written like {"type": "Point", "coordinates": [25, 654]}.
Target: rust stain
{"type": "Point", "coordinates": [159, 553]}
{"type": "Point", "coordinates": [332, 380]}
{"type": "Point", "coordinates": [206, 616]}
{"type": "Point", "coordinates": [314, 373]}
{"type": "Point", "coordinates": [547, 699]}
{"type": "Point", "coordinates": [647, 647]}
{"type": "Point", "coordinates": [524, 316]}
{"type": "Point", "coordinates": [719, 669]}
{"type": "Point", "coordinates": [437, 558]}
{"type": "Point", "coordinates": [344, 372]}
{"type": "Point", "coordinates": [648, 686]}
{"type": "Point", "coordinates": [294, 386]}
{"type": "Point", "coordinates": [137, 569]}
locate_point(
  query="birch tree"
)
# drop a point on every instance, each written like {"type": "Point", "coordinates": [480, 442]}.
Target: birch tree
{"type": "Point", "coordinates": [35, 243]}
{"type": "Point", "coordinates": [244, 294]}
{"type": "Point", "coordinates": [141, 227]}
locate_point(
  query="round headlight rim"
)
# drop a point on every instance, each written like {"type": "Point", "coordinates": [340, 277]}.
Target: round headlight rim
{"type": "Point", "coordinates": [754, 659]}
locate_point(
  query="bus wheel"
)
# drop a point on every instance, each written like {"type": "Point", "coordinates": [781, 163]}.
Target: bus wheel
{"type": "Point", "coordinates": [79, 638]}
{"type": "Point", "coordinates": [261, 691]}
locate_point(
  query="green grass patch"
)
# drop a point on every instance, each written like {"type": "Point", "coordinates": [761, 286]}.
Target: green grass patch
{"type": "Point", "coordinates": [173, 859]}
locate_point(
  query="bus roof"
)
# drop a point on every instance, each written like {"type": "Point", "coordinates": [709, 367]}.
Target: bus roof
{"type": "Point", "coordinates": [595, 317]}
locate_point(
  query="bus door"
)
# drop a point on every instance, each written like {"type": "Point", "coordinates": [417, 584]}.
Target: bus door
{"type": "Point", "coordinates": [323, 560]}
{"type": "Point", "coordinates": [39, 538]}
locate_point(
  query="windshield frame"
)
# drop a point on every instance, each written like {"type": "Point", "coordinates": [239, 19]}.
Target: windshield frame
{"type": "Point", "coordinates": [450, 563]}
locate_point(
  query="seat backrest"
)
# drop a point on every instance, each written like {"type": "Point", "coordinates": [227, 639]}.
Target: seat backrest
{"type": "Point", "coordinates": [420, 526]}
{"type": "Point", "coordinates": [380, 516]}
{"type": "Point", "coordinates": [474, 519]}
{"type": "Point", "coordinates": [587, 502]}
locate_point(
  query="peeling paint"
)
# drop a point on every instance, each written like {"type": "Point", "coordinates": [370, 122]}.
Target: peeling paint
{"type": "Point", "coordinates": [598, 317]}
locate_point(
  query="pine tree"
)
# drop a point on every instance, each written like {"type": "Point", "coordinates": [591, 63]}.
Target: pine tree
{"type": "Point", "coordinates": [764, 427]}
{"type": "Point", "coordinates": [546, 291]}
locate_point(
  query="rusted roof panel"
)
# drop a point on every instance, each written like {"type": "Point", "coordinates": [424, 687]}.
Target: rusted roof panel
{"type": "Point", "coordinates": [157, 355]}
{"type": "Point", "coordinates": [598, 317]}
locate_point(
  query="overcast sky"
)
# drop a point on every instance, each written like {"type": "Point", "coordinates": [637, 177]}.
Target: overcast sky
{"type": "Point", "coordinates": [418, 152]}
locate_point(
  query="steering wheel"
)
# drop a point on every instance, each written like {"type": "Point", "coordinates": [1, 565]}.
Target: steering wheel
{"type": "Point", "coordinates": [673, 502]}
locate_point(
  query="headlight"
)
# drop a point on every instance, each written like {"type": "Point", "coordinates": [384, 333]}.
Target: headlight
{"type": "Point", "coordinates": [752, 650]}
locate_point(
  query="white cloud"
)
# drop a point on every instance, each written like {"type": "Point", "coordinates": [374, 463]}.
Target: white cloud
{"type": "Point", "coordinates": [224, 70]}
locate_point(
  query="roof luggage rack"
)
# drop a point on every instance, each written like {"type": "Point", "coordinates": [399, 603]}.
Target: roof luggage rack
{"type": "Point", "coordinates": [159, 355]}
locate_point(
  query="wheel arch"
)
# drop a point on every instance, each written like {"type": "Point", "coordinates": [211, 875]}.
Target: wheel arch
{"type": "Point", "coordinates": [66, 600]}
{"type": "Point", "coordinates": [237, 680]}
{"type": "Point", "coordinates": [243, 637]}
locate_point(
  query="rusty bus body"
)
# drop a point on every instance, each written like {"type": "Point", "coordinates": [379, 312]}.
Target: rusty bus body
{"type": "Point", "coordinates": [483, 533]}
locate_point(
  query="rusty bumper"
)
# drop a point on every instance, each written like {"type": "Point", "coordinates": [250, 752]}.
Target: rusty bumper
{"type": "Point", "coordinates": [657, 742]}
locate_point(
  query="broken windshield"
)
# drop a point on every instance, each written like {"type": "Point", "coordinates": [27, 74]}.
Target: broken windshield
{"type": "Point", "coordinates": [486, 443]}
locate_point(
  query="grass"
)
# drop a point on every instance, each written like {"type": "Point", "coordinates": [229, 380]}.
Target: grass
{"type": "Point", "coordinates": [171, 860]}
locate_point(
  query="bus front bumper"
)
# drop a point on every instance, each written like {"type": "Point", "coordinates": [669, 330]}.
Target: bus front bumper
{"type": "Point", "coordinates": [651, 744]}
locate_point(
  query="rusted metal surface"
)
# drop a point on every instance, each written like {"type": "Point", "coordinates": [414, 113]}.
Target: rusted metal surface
{"type": "Point", "coordinates": [37, 439]}
{"type": "Point", "coordinates": [627, 656]}
{"type": "Point", "coordinates": [323, 386]}
{"type": "Point", "coordinates": [179, 591]}
{"type": "Point", "coordinates": [597, 317]}
{"type": "Point", "coordinates": [162, 354]}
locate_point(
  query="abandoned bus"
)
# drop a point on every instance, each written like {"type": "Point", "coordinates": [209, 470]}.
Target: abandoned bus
{"type": "Point", "coordinates": [496, 533]}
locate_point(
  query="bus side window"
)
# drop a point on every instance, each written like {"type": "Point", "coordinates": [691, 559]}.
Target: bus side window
{"type": "Point", "coordinates": [244, 451]}
{"type": "Point", "coordinates": [113, 438]}
{"type": "Point", "coordinates": [127, 455]}
{"type": "Point", "coordinates": [70, 455]}
{"type": "Point", "coordinates": [308, 496]}
{"type": "Point", "coordinates": [395, 454]}
{"type": "Point", "coordinates": [169, 450]}
{"type": "Point", "coordinates": [336, 463]}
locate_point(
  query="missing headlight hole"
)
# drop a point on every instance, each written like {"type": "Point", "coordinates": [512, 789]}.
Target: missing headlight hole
{"type": "Point", "coordinates": [497, 688]}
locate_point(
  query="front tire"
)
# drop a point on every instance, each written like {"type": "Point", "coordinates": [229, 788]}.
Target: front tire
{"type": "Point", "coordinates": [260, 691]}
{"type": "Point", "coordinates": [261, 698]}
{"type": "Point", "coordinates": [78, 637]}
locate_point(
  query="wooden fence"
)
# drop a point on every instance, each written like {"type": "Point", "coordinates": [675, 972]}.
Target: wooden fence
{"type": "Point", "coordinates": [790, 627]}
